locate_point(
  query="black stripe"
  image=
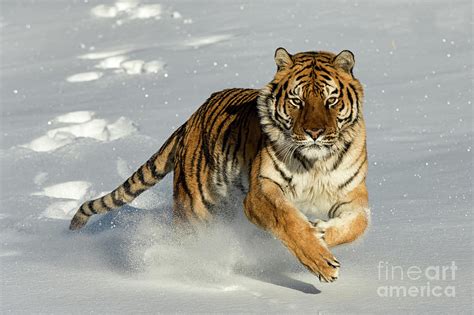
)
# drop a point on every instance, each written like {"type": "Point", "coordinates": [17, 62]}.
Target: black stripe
{"type": "Point", "coordinates": [322, 71]}
{"type": "Point", "coordinates": [349, 112]}
{"type": "Point", "coordinates": [353, 88]}
{"type": "Point", "coordinates": [141, 176]}
{"type": "Point", "coordinates": [325, 77]}
{"type": "Point", "coordinates": [81, 210]}
{"type": "Point", "coordinates": [244, 117]}
{"type": "Point", "coordinates": [240, 186]}
{"type": "Point", "coordinates": [280, 121]}
{"type": "Point", "coordinates": [152, 167]}
{"type": "Point", "coordinates": [363, 152]}
{"type": "Point", "coordinates": [299, 74]}
{"type": "Point", "coordinates": [228, 130]}
{"type": "Point", "coordinates": [218, 107]}
{"type": "Point", "coordinates": [127, 188]}
{"type": "Point", "coordinates": [341, 155]}
{"type": "Point", "coordinates": [284, 108]}
{"type": "Point", "coordinates": [269, 200]}
{"type": "Point", "coordinates": [336, 207]}
{"type": "Point", "coordinates": [347, 182]}
{"type": "Point", "coordinates": [90, 207]}
{"type": "Point", "coordinates": [245, 137]}
{"type": "Point", "coordinates": [198, 174]}
{"type": "Point", "coordinates": [194, 156]}
{"type": "Point", "coordinates": [175, 135]}
{"type": "Point", "coordinates": [206, 145]}
{"type": "Point", "coordinates": [234, 124]}
{"type": "Point", "coordinates": [341, 93]}
{"type": "Point", "coordinates": [264, 177]}
{"type": "Point", "coordinates": [183, 183]}
{"type": "Point", "coordinates": [280, 91]}
{"type": "Point", "coordinates": [117, 202]}
{"type": "Point", "coordinates": [209, 206]}
{"type": "Point", "coordinates": [238, 122]}
{"type": "Point", "coordinates": [275, 165]}
{"type": "Point", "coordinates": [207, 154]}
{"type": "Point", "coordinates": [138, 192]}
{"type": "Point", "coordinates": [102, 203]}
{"type": "Point", "coordinates": [302, 159]}
{"type": "Point", "coordinates": [224, 106]}
{"type": "Point", "coordinates": [355, 93]}
{"type": "Point", "coordinates": [343, 119]}
{"type": "Point", "coordinates": [299, 77]}
{"type": "Point", "coordinates": [349, 96]}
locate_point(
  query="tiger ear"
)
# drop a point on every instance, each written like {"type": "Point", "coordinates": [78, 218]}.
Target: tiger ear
{"type": "Point", "coordinates": [345, 60]}
{"type": "Point", "coordinates": [283, 58]}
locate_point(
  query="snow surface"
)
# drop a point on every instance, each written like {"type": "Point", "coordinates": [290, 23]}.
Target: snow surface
{"type": "Point", "coordinates": [91, 89]}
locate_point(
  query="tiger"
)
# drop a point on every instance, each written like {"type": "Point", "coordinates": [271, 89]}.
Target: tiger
{"type": "Point", "coordinates": [296, 148]}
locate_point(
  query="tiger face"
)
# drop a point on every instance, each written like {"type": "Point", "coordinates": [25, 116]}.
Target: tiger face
{"type": "Point", "coordinates": [312, 102]}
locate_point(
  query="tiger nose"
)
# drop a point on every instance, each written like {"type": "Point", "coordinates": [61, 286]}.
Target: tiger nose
{"type": "Point", "coordinates": [315, 132]}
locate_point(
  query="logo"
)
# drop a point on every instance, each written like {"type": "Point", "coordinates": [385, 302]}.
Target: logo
{"type": "Point", "coordinates": [416, 281]}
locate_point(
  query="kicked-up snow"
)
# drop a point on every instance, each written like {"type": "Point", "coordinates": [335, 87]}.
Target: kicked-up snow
{"type": "Point", "coordinates": [91, 89]}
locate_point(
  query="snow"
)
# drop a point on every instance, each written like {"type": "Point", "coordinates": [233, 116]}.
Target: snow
{"type": "Point", "coordinates": [111, 62]}
{"type": "Point", "coordinates": [118, 61]}
{"type": "Point", "coordinates": [75, 117]}
{"type": "Point", "coordinates": [130, 9]}
{"type": "Point", "coordinates": [69, 190]}
{"type": "Point", "coordinates": [91, 89]}
{"type": "Point", "coordinates": [207, 40]}
{"type": "Point", "coordinates": [154, 66]}
{"type": "Point", "coordinates": [60, 210]}
{"type": "Point", "coordinates": [103, 54]}
{"type": "Point", "coordinates": [83, 126]}
{"type": "Point", "coordinates": [133, 66]}
{"type": "Point", "coordinates": [84, 76]}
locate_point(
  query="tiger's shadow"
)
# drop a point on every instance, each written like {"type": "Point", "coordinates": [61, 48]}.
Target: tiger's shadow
{"type": "Point", "coordinates": [280, 279]}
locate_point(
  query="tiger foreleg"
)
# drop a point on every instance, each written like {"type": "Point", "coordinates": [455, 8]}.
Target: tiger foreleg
{"type": "Point", "coordinates": [266, 206]}
{"type": "Point", "coordinates": [347, 219]}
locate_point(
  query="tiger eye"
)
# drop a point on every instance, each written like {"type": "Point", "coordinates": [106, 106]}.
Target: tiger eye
{"type": "Point", "coordinates": [296, 102]}
{"type": "Point", "coordinates": [331, 101]}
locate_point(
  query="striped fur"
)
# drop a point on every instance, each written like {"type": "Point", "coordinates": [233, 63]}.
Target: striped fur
{"type": "Point", "coordinates": [296, 148]}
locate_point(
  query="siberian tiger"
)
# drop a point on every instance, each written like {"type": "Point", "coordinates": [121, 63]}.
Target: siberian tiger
{"type": "Point", "coordinates": [296, 147]}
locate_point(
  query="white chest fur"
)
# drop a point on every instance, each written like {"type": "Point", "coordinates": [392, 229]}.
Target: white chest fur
{"type": "Point", "coordinates": [313, 192]}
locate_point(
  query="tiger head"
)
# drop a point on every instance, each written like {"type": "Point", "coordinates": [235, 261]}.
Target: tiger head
{"type": "Point", "coordinates": [313, 103]}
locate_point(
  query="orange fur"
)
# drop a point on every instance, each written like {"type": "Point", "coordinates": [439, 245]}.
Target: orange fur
{"type": "Point", "coordinates": [295, 147]}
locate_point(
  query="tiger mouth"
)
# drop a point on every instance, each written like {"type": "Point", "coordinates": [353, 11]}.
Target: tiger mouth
{"type": "Point", "coordinates": [319, 145]}
{"type": "Point", "coordinates": [324, 140]}
{"type": "Point", "coordinates": [316, 144]}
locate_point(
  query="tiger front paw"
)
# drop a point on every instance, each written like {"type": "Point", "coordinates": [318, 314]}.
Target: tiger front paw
{"type": "Point", "coordinates": [313, 253]}
{"type": "Point", "coordinates": [322, 263]}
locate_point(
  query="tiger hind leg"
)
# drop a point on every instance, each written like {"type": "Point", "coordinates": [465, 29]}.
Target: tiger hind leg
{"type": "Point", "coordinates": [189, 207]}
